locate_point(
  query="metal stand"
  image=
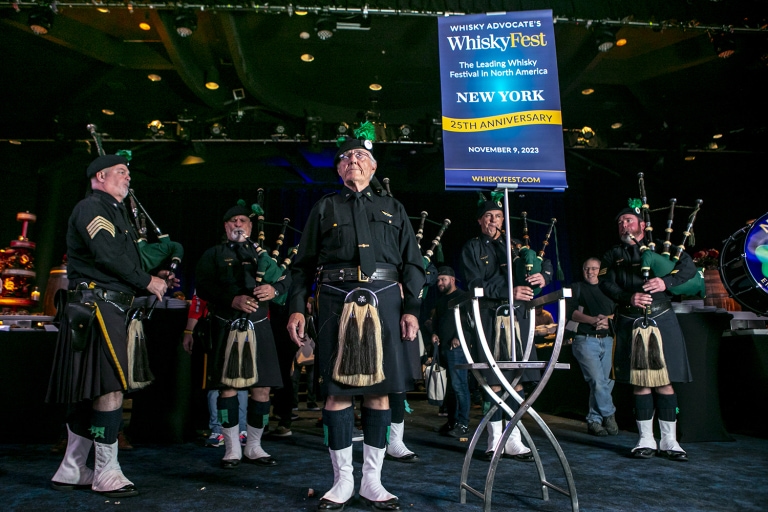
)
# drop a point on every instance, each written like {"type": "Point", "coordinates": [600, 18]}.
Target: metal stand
{"type": "Point", "coordinates": [525, 405]}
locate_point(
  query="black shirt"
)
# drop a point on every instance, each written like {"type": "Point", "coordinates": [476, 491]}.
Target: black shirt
{"type": "Point", "coordinates": [328, 239]}
{"type": "Point", "coordinates": [622, 277]}
{"type": "Point", "coordinates": [227, 270]}
{"type": "Point", "coordinates": [484, 264]}
{"type": "Point", "coordinates": [594, 303]}
{"type": "Point", "coordinates": [101, 246]}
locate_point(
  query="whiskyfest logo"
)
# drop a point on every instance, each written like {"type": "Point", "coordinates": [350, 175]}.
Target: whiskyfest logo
{"type": "Point", "coordinates": [493, 42]}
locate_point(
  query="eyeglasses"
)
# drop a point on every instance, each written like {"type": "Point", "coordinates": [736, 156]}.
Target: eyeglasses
{"type": "Point", "coordinates": [358, 155]}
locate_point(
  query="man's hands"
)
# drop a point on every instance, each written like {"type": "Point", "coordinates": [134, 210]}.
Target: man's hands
{"type": "Point", "coordinates": [654, 285]}
{"type": "Point", "coordinates": [245, 303]}
{"type": "Point", "coordinates": [525, 293]}
{"type": "Point", "coordinates": [409, 326]}
{"type": "Point", "coordinates": [157, 287]}
{"type": "Point", "coordinates": [169, 278]}
{"type": "Point", "coordinates": [187, 343]}
{"type": "Point", "coordinates": [296, 329]}
{"type": "Point", "coordinates": [265, 292]}
{"type": "Point", "coordinates": [161, 283]}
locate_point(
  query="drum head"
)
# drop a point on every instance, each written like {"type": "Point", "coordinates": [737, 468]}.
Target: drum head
{"type": "Point", "coordinates": [744, 266]}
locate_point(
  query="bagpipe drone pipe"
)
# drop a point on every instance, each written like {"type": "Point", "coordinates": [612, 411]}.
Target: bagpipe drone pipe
{"type": "Point", "coordinates": [432, 256]}
{"type": "Point", "coordinates": [525, 260]}
{"type": "Point", "coordinates": [154, 255]}
{"type": "Point", "coordinates": [271, 267]}
{"type": "Point", "coordinates": [662, 264]}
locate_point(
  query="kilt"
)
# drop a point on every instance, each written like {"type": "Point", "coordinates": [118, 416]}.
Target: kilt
{"type": "Point", "coordinates": [266, 353]}
{"type": "Point", "coordinates": [101, 368]}
{"type": "Point", "coordinates": [673, 345]}
{"type": "Point", "coordinates": [398, 376]}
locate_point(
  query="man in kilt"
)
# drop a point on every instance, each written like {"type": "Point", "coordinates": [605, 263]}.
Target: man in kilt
{"type": "Point", "coordinates": [357, 247]}
{"type": "Point", "coordinates": [95, 361]}
{"type": "Point", "coordinates": [653, 356]}
{"type": "Point", "coordinates": [238, 278]}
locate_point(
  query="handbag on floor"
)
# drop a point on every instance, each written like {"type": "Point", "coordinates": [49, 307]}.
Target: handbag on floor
{"type": "Point", "coordinates": [435, 378]}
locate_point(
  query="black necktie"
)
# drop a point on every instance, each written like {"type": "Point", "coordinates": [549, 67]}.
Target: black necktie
{"type": "Point", "coordinates": [363, 233]}
{"type": "Point", "coordinates": [244, 255]}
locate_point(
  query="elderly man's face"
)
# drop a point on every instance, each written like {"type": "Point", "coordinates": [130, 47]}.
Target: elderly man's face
{"type": "Point", "coordinates": [238, 227]}
{"type": "Point", "coordinates": [491, 223]}
{"type": "Point", "coordinates": [630, 225]}
{"type": "Point", "coordinates": [356, 168]}
{"type": "Point", "coordinates": [115, 181]}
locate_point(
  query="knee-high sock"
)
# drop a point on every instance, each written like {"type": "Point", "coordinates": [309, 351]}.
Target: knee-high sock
{"type": "Point", "coordinates": [375, 425]}
{"type": "Point", "coordinates": [397, 405]}
{"type": "Point", "coordinates": [338, 427]}
{"type": "Point", "coordinates": [229, 411]}
{"type": "Point", "coordinates": [644, 407]}
{"type": "Point", "coordinates": [666, 405]}
{"type": "Point", "coordinates": [105, 425]}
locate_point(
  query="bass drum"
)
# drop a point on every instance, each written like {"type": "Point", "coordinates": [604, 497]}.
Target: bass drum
{"type": "Point", "coordinates": [744, 265]}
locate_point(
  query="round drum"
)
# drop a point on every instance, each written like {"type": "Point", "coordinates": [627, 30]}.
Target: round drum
{"type": "Point", "coordinates": [744, 265]}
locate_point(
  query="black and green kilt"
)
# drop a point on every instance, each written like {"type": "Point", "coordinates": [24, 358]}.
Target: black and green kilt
{"type": "Point", "coordinates": [397, 373]}
{"type": "Point", "coordinates": [266, 353]}
{"type": "Point", "coordinates": [100, 368]}
{"type": "Point", "coordinates": [673, 343]}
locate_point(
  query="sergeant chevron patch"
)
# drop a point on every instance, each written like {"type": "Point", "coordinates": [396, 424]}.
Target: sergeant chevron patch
{"type": "Point", "coordinates": [99, 223]}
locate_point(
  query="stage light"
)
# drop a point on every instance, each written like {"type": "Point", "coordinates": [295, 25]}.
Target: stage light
{"type": "Point", "coordinates": [212, 79]}
{"type": "Point", "coordinates": [342, 129]}
{"type": "Point", "coordinates": [325, 27]}
{"type": "Point", "coordinates": [155, 127]}
{"type": "Point", "coordinates": [587, 133]}
{"type": "Point", "coordinates": [153, 77]}
{"type": "Point", "coordinates": [605, 38]}
{"type": "Point", "coordinates": [40, 20]}
{"type": "Point", "coordinates": [218, 130]}
{"type": "Point", "coordinates": [186, 22]}
{"type": "Point", "coordinates": [280, 132]}
{"type": "Point", "coordinates": [405, 132]}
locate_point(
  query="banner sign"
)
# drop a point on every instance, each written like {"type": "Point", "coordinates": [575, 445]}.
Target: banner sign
{"type": "Point", "coordinates": [502, 123]}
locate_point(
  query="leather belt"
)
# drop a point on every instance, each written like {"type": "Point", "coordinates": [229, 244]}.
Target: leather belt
{"type": "Point", "coordinates": [340, 275]}
{"type": "Point", "coordinates": [656, 307]}
{"type": "Point", "coordinates": [598, 336]}
{"type": "Point", "coordinates": [120, 298]}
{"type": "Point", "coordinates": [491, 303]}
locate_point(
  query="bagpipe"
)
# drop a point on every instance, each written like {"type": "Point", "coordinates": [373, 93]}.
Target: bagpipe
{"type": "Point", "coordinates": [662, 264]}
{"type": "Point", "coordinates": [435, 251]}
{"type": "Point", "coordinates": [525, 260]}
{"type": "Point", "coordinates": [240, 367]}
{"type": "Point", "coordinates": [156, 254]}
{"type": "Point", "coordinates": [269, 268]}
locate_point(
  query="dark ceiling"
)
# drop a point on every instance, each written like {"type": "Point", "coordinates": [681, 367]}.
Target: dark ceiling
{"type": "Point", "coordinates": [666, 86]}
